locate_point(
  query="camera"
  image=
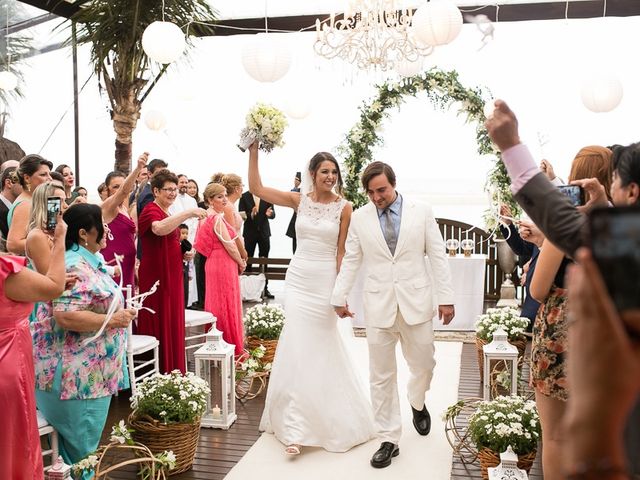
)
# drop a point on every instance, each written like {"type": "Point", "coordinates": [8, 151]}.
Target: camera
{"type": "Point", "coordinates": [615, 243]}
{"type": "Point", "coordinates": [575, 193]}
{"type": "Point", "coordinates": [53, 209]}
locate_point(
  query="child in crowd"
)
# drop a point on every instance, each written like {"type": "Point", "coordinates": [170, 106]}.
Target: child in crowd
{"type": "Point", "coordinates": [185, 246]}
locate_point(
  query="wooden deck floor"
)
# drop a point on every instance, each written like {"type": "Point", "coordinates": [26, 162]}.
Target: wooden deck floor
{"type": "Point", "coordinates": [219, 450]}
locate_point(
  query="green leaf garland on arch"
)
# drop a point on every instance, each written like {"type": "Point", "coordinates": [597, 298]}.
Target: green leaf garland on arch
{"type": "Point", "coordinates": [442, 89]}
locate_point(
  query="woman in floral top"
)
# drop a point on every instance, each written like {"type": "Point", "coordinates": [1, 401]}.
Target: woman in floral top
{"type": "Point", "coordinates": [74, 381]}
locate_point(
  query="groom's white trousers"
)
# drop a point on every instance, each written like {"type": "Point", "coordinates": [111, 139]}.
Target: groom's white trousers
{"type": "Point", "coordinates": [418, 350]}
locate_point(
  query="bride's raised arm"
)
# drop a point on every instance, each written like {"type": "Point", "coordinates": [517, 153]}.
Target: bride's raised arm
{"type": "Point", "coordinates": [271, 195]}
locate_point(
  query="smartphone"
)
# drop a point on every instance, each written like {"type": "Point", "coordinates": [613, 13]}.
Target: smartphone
{"type": "Point", "coordinates": [53, 209]}
{"type": "Point", "coordinates": [575, 193]}
{"type": "Point", "coordinates": [615, 243]}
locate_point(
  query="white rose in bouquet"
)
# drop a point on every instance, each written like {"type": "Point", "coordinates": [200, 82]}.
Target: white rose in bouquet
{"type": "Point", "coordinates": [266, 124]}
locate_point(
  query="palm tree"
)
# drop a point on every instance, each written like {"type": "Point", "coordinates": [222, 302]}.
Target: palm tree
{"type": "Point", "coordinates": [114, 29]}
{"type": "Point", "coordinates": [12, 49]}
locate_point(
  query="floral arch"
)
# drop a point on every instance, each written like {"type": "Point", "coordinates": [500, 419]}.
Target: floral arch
{"type": "Point", "coordinates": [442, 89]}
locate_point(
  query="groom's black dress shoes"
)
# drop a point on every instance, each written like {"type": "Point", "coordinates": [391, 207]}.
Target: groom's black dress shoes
{"type": "Point", "coordinates": [422, 420]}
{"type": "Point", "coordinates": [382, 457]}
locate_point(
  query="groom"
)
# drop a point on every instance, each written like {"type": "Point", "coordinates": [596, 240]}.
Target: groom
{"type": "Point", "coordinates": [391, 236]}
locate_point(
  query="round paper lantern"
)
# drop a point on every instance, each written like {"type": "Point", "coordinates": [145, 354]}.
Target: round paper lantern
{"type": "Point", "coordinates": [163, 42]}
{"type": "Point", "coordinates": [437, 23]}
{"type": "Point", "coordinates": [266, 58]}
{"type": "Point", "coordinates": [297, 107]}
{"type": "Point", "coordinates": [405, 68]}
{"type": "Point", "coordinates": [155, 120]}
{"type": "Point", "coordinates": [8, 81]}
{"type": "Point", "coordinates": [601, 93]}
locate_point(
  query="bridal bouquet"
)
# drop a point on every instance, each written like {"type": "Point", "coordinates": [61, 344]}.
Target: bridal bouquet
{"type": "Point", "coordinates": [266, 124]}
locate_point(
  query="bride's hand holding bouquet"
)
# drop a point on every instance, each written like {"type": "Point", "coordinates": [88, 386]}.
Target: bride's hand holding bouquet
{"type": "Point", "coordinates": [266, 124]}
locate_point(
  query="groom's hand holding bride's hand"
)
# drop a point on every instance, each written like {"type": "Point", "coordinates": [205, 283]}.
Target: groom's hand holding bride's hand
{"type": "Point", "coordinates": [446, 313]}
{"type": "Point", "coordinates": [343, 312]}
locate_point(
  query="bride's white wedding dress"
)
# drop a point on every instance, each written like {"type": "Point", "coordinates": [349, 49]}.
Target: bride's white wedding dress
{"type": "Point", "coordinates": [315, 397]}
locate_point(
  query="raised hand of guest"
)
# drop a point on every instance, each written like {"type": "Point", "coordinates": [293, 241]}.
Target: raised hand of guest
{"type": "Point", "coordinates": [502, 126]}
{"type": "Point", "coordinates": [530, 232]}
{"type": "Point", "coordinates": [505, 212]}
{"type": "Point", "coordinates": [547, 169]}
{"type": "Point", "coordinates": [594, 191]}
{"type": "Point", "coordinates": [199, 213]}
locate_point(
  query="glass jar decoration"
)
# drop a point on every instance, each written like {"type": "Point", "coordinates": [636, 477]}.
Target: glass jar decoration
{"type": "Point", "coordinates": [467, 246]}
{"type": "Point", "coordinates": [452, 246]}
{"type": "Point", "coordinates": [215, 364]}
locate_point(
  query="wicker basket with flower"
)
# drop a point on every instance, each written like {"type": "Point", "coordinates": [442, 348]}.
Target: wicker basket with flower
{"type": "Point", "coordinates": [263, 324]}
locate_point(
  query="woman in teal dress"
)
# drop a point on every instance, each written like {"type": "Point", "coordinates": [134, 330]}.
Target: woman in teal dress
{"type": "Point", "coordinates": [74, 380]}
{"type": "Point", "coordinates": [33, 171]}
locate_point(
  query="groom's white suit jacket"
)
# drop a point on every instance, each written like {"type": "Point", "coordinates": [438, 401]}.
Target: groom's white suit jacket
{"type": "Point", "coordinates": [400, 280]}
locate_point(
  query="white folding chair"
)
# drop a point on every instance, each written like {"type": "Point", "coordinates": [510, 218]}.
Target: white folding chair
{"type": "Point", "coordinates": [45, 429]}
{"type": "Point", "coordinates": [194, 338]}
{"type": "Point", "coordinates": [137, 345]}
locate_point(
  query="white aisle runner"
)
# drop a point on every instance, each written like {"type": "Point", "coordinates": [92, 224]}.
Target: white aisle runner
{"type": "Point", "coordinates": [424, 458]}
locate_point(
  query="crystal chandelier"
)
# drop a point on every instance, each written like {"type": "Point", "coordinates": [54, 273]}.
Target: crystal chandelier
{"type": "Point", "coordinates": [379, 34]}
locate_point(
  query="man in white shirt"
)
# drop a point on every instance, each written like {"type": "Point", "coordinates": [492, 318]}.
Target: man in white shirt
{"type": "Point", "coordinates": [183, 202]}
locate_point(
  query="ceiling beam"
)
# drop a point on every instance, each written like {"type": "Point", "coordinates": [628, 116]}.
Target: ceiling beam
{"type": "Point", "coordinates": [505, 13]}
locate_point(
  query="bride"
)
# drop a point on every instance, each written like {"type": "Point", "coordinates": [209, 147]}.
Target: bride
{"type": "Point", "coordinates": [315, 397]}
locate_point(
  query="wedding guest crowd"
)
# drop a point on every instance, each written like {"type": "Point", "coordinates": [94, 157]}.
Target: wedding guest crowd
{"type": "Point", "coordinates": [595, 432]}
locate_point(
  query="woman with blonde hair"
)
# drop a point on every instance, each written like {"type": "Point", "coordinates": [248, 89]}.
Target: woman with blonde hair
{"type": "Point", "coordinates": [216, 240]}
{"type": "Point", "coordinates": [40, 240]}
{"type": "Point", "coordinates": [549, 346]}
{"type": "Point", "coordinates": [33, 171]}
{"type": "Point", "coordinates": [234, 186]}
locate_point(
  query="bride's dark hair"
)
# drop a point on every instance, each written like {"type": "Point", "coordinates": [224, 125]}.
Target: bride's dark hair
{"type": "Point", "coordinates": [316, 161]}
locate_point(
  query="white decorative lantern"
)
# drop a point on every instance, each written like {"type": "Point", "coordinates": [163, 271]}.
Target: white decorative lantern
{"type": "Point", "coordinates": [601, 93]}
{"type": "Point", "coordinates": [163, 42]}
{"type": "Point", "coordinates": [297, 106]}
{"type": "Point", "coordinates": [437, 23]}
{"type": "Point", "coordinates": [266, 57]}
{"type": "Point", "coordinates": [452, 245]}
{"type": "Point", "coordinates": [155, 120]}
{"type": "Point", "coordinates": [405, 68]}
{"type": "Point", "coordinates": [467, 246]}
{"type": "Point", "coordinates": [8, 81]}
{"type": "Point", "coordinates": [499, 350]}
{"type": "Point", "coordinates": [215, 364]}
{"type": "Point", "coordinates": [508, 467]}
{"type": "Point", "coordinates": [59, 470]}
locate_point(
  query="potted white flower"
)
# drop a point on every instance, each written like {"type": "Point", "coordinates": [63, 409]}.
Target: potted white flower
{"type": "Point", "coordinates": [263, 324]}
{"type": "Point", "coordinates": [502, 422]}
{"type": "Point", "coordinates": [166, 415]}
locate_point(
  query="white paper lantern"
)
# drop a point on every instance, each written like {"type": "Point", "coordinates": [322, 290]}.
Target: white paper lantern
{"type": "Point", "coordinates": [163, 42]}
{"type": "Point", "coordinates": [437, 23]}
{"type": "Point", "coordinates": [297, 106]}
{"type": "Point", "coordinates": [8, 81]}
{"type": "Point", "coordinates": [155, 120]}
{"type": "Point", "coordinates": [601, 93]}
{"type": "Point", "coordinates": [266, 58]}
{"type": "Point", "coordinates": [405, 68]}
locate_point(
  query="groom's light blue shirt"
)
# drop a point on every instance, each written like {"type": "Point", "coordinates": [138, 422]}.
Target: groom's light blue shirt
{"type": "Point", "coordinates": [396, 215]}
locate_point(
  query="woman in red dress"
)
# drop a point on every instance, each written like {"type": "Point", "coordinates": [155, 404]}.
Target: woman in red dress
{"type": "Point", "coordinates": [216, 241]}
{"type": "Point", "coordinates": [162, 260]}
{"type": "Point", "coordinates": [21, 458]}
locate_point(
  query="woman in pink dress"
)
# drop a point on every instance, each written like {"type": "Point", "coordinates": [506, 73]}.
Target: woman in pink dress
{"type": "Point", "coordinates": [21, 457]}
{"type": "Point", "coordinates": [162, 261]}
{"type": "Point", "coordinates": [115, 212]}
{"type": "Point", "coordinates": [216, 241]}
